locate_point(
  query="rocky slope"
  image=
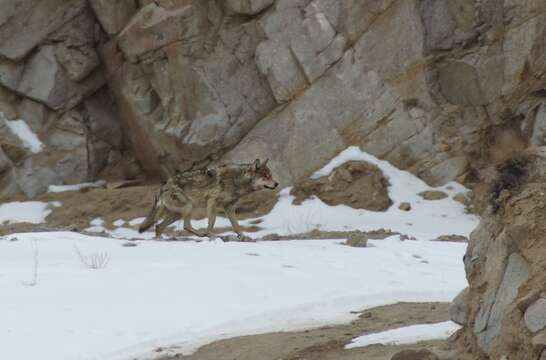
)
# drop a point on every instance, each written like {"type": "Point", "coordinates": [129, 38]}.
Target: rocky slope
{"type": "Point", "coordinates": [504, 310]}
{"type": "Point", "coordinates": [429, 85]}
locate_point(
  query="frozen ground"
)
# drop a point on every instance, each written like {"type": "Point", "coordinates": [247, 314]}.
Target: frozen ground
{"type": "Point", "coordinates": [162, 293]}
{"type": "Point", "coordinates": [407, 335]}
{"type": "Point", "coordinates": [180, 295]}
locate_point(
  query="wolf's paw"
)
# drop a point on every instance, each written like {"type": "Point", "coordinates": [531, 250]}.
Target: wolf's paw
{"type": "Point", "coordinates": [244, 238]}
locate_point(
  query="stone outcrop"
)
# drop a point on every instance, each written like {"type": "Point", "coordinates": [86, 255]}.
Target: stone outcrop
{"type": "Point", "coordinates": [53, 89]}
{"type": "Point", "coordinates": [435, 87]}
{"type": "Point", "coordinates": [503, 311]}
{"type": "Point", "coordinates": [357, 184]}
{"type": "Point", "coordinates": [458, 307]}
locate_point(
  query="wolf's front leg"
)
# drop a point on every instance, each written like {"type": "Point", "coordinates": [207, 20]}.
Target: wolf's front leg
{"type": "Point", "coordinates": [230, 212]}
{"type": "Point", "coordinates": [187, 221]}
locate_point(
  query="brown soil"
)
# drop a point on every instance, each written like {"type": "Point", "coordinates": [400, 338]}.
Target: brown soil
{"type": "Point", "coordinates": [327, 343]}
{"type": "Point", "coordinates": [356, 183]}
{"type": "Point", "coordinates": [331, 235]}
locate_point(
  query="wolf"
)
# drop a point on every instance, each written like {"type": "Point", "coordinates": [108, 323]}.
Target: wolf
{"type": "Point", "coordinates": [214, 187]}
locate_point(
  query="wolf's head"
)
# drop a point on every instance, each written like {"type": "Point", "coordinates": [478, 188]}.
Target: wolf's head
{"type": "Point", "coordinates": [261, 175]}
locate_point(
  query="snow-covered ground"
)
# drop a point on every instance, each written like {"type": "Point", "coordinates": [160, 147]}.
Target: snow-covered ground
{"type": "Point", "coordinates": [162, 293]}
{"type": "Point", "coordinates": [34, 212]}
{"type": "Point", "coordinates": [180, 295]}
{"type": "Point", "coordinates": [407, 335]}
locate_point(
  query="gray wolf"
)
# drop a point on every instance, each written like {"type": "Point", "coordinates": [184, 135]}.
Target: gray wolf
{"type": "Point", "coordinates": [213, 188]}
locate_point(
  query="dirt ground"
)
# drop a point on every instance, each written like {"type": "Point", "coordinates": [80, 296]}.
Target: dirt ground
{"type": "Point", "coordinates": [327, 343]}
{"type": "Point", "coordinates": [116, 202]}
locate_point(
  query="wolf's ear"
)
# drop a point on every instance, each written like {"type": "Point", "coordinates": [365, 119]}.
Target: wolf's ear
{"type": "Point", "coordinates": [256, 164]}
{"type": "Point", "coordinates": [264, 163]}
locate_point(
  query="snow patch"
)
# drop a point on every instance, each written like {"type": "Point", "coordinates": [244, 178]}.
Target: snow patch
{"type": "Point", "coordinates": [29, 139]}
{"type": "Point", "coordinates": [119, 222]}
{"type": "Point", "coordinates": [76, 187]}
{"type": "Point", "coordinates": [34, 212]}
{"type": "Point", "coordinates": [407, 335]}
{"type": "Point", "coordinates": [97, 222]}
{"type": "Point", "coordinates": [137, 221]}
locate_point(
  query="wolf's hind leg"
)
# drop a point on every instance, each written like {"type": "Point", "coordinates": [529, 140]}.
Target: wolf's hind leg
{"type": "Point", "coordinates": [154, 214]}
{"type": "Point", "coordinates": [211, 214]}
{"type": "Point", "coordinates": [170, 218]}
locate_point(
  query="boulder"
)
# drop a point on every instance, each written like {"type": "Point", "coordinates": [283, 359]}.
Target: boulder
{"type": "Point", "coordinates": [535, 316]}
{"type": "Point", "coordinates": [113, 15]}
{"type": "Point", "coordinates": [75, 46]}
{"type": "Point", "coordinates": [25, 24]}
{"type": "Point", "coordinates": [44, 80]}
{"type": "Point", "coordinates": [155, 26]}
{"type": "Point", "coordinates": [448, 23]}
{"type": "Point", "coordinates": [405, 206]}
{"type": "Point", "coordinates": [433, 195]}
{"type": "Point", "coordinates": [248, 7]}
{"type": "Point", "coordinates": [357, 184]}
{"type": "Point", "coordinates": [276, 61]}
{"type": "Point", "coordinates": [515, 274]}
{"type": "Point", "coordinates": [458, 308]}
{"type": "Point", "coordinates": [34, 180]}
{"type": "Point", "coordinates": [357, 240]}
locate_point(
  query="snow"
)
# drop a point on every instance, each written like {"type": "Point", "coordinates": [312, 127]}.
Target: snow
{"type": "Point", "coordinates": [97, 222]}
{"type": "Point", "coordinates": [25, 134]}
{"type": "Point", "coordinates": [186, 293]}
{"type": "Point", "coordinates": [76, 187]}
{"type": "Point", "coordinates": [34, 212]}
{"type": "Point", "coordinates": [119, 222]}
{"type": "Point", "coordinates": [181, 295]}
{"type": "Point", "coordinates": [407, 335]}
{"type": "Point", "coordinates": [427, 220]}
{"type": "Point", "coordinates": [137, 221]}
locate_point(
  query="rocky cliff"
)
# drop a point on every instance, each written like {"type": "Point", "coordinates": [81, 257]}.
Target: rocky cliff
{"type": "Point", "coordinates": [430, 85]}
{"type": "Point", "coordinates": [447, 89]}
{"type": "Point", "coordinates": [503, 311]}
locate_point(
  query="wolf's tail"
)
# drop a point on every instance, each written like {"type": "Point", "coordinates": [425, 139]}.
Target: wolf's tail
{"type": "Point", "coordinates": [151, 218]}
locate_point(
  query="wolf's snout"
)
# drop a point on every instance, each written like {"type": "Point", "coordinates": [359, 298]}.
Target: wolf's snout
{"type": "Point", "coordinates": [271, 186]}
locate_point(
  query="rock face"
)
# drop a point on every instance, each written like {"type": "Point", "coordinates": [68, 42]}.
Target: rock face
{"type": "Point", "coordinates": [504, 309]}
{"type": "Point", "coordinates": [357, 184]}
{"type": "Point", "coordinates": [457, 308]}
{"type": "Point", "coordinates": [436, 87]}
{"type": "Point", "coordinates": [53, 94]}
